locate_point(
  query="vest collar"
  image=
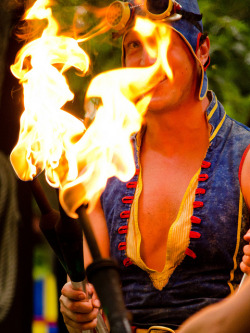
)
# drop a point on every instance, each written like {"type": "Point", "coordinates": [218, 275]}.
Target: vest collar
{"type": "Point", "coordinates": [216, 115]}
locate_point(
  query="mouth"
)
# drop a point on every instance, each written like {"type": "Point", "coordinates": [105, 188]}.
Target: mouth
{"type": "Point", "coordinates": [165, 78]}
{"type": "Point", "coordinates": [151, 91]}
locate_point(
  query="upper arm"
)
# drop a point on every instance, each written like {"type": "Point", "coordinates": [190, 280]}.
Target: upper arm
{"type": "Point", "coordinates": [100, 229]}
{"type": "Point", "coordinates": [245, 177]}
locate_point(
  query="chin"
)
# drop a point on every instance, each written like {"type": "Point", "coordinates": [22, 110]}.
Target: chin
{"type": "Point", "coordinates": [158, 103]}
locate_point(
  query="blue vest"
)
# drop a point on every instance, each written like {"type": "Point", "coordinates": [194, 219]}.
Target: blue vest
{"type": "Point", "coordinates": [220, 218]}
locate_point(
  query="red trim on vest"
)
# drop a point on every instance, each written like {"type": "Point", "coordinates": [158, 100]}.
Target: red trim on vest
{"type": "Point", "coordinates": [127, 262]}
{"type": "Point", "coordinates": [122, 246]}
{"type": "Point", "coordinates": [190, 253]}
{"type": "Point", "coordinates": [198, 204]}
{"type": "Point", "coordinates": [195, 219]}
{"type": "Point", "coordinates": [123, 230]}
{"type": "Point", "coordinates": [242, 162]}
{"type": "Point", "coordinates": [205, 165]}
{"type": "Point", "coordinates": [137, 172]}
{"type": "Point", "coordinates": [127, 200]}
{"type": "Point", "coordinates": [203, 177]}
{"type": "Point", "coordinates": [194, 234]}
{"type": "Point", "coordinates": [131, 184]}
{"type": "Point", "coordinates": [125, 214]}
{"type": "Point", "coordinates": [200, 191]}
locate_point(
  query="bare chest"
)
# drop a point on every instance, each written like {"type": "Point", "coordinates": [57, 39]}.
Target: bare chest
{"type": "Point", "coordinates": [164, 185]}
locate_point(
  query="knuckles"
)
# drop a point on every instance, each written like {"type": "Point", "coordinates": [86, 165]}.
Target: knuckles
{"type": "Point", "coordinates": [245, 268]}
{"type": "Point", "coordinates": [246, 250]}
{"type": "Point", "coordinates": [82, 307]}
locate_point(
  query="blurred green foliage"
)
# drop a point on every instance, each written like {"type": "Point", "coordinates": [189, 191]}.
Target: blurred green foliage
{"type": "Point", "coordinates": [227, 23]}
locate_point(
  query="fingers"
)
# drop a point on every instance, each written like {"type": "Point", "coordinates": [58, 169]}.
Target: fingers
{"type": "Point", "coordinates": [78, 311]}
{"type": "Point", "coordinates": [95, 300]}
{"type": "Point", "coordinates": [245, 264]}
{"type": "Point", "coordinates": [68, 291]}
{"type": "Point", "coordinates": [247, 236]}
{"type": "Point", "coordinates": [78, 314]}
{"type": "Point", "coordinates": [245, 268]}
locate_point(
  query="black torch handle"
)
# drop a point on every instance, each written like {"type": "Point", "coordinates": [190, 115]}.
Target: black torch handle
{"type": "Point", "coordinates": [63, 234]}
{"type": "Point", "coordinates": [40, 197]}
{"type": "Point", "coordinates": [49, 219]}
{"type": "Point", "coordinates": [70, 238]}
{"type": "Point", "coordinates": [88, 232]}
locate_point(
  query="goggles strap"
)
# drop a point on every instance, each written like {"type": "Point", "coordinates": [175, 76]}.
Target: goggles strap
{"type": "Point", "coordinates": [191, 17]}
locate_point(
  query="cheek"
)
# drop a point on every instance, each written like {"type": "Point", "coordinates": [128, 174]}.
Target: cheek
{"type": "Point", "coordinates": [130, 61]}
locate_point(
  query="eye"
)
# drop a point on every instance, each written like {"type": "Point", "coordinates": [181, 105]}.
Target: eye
{"type": "Point", "coordinates": [133, 45]}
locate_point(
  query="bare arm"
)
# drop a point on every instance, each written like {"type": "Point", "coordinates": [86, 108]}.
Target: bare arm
{"type": "Point", "coordinates": [245, 179]}
{"type": "Point", "coordinates": [228, 316]}
{"type": "Point", "coordinates": [245, 187]}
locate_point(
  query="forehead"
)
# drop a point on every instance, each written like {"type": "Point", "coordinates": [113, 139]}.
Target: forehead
{"type": "Point", "coordinates": [129, 35]}
{"type": "Point", "coordinates": [133, 34]}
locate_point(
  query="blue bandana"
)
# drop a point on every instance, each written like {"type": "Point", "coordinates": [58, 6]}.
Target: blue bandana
{"type": "Point", "coordinates": [191, 35]}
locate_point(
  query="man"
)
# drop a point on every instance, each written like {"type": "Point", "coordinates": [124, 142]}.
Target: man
{"type": "Point", "coordinates": [176, 228]}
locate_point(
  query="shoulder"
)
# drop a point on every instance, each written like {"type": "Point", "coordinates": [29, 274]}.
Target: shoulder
{"type": "Point", "coordinates": [244, 175]}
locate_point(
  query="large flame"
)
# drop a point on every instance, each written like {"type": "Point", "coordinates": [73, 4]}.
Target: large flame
{"type": "Point", "coordinates": [47, 132]}
{"type": "Point", "coordinates": [76, 160]}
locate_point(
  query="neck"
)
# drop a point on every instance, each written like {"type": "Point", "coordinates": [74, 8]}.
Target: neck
{"type": "Point", "coordinates": [184, 127]}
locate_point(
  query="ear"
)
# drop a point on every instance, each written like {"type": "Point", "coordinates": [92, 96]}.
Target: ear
{"type": "Point", "coordinates": [202, 51]}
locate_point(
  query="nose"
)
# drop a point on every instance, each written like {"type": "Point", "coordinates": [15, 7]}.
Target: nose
{"type": "Point", "coordinates": [146, 58]}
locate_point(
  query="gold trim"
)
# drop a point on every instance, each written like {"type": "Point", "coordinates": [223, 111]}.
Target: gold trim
{"type": "Point", "coordinates": [213, 109]}
{"type": "Point", "coordinates": [237, 242]}
{"type": "Point", "coordinates": [217, 128]}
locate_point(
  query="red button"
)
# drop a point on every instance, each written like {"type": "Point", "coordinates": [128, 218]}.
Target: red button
{"type": "Point", "coordinates": [131, 184]}
{"type": "Point", "coordinates": [195, 219]}
{"type": "Point", "coordinates": [122, 246]}
{"type": "Point", "coordinates": [123, 229]}
{"type": "Point", "coordinates": [198, 204]}
{"type": "Point", "coordinates": [127, 200]}
{"type": "Point", "coordinates": [125, 214]}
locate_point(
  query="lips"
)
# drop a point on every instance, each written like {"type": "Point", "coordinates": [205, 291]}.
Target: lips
{"type": "Point", "coordinates": [164, 79]}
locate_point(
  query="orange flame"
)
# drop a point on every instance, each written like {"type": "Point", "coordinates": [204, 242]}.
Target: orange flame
{"type": "Point", "coordinates": [76, 160]}
{"type": "Point", "coordinates": [46, 131]}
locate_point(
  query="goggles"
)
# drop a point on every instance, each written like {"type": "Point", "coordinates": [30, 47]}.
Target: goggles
{"type": "Point", "coordinates": [120, 14]}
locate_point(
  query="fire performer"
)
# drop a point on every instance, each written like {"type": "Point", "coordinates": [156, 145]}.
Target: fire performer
{"type": "Point", "coordinates": [177, 227]}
